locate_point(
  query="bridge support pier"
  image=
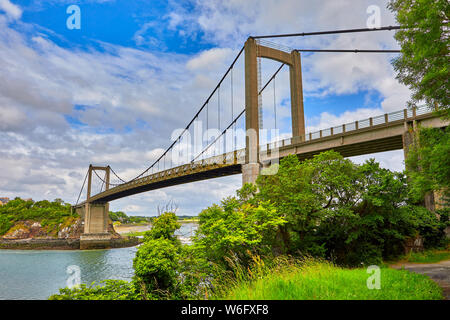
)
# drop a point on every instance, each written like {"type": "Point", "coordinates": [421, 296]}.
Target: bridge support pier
{"type": "Point", "coordinates": [250, 172]}
{"type": "Point", "coordinates": [410, 139]}
{"type": "Point", "coordinates": [96, 220]}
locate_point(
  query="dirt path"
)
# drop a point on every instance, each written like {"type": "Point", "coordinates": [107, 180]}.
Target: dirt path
{"type": "Point", "coordinates": [439, 272]}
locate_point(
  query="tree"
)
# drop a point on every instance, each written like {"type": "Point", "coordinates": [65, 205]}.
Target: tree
{"type": "Point", "coordinates": [305, 193]}
{"type": "Point", "coordinates": [237, 229]}
{"type": "Point", "coordinates": [423, 65]}
{"type": "Point", "coordinates": [156, 265]}
{"type": "Point", "coordinates": [163, 226]}
{"type": "Point", "coordinates": [345, 212]}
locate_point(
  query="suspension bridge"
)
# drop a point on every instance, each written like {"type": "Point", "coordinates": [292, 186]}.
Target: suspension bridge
{"type": "Point", "coordinates": [231, 130]}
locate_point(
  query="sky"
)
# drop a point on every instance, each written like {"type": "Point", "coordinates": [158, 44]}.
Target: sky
{"type": "Point", "coordinates": [113, 91]}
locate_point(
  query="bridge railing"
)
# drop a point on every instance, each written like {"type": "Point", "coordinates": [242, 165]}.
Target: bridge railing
{"type": "Point", "coordinates": [351, 126]}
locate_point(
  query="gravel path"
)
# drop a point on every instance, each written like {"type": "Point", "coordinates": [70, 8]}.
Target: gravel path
{"type": "Point", "coordinates": [439, 272]}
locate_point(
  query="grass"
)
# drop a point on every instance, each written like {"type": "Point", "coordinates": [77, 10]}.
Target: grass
{"type": "Point", "coordinates": [135, 224]}
{"type": "Point", "coordinates": [194, 220]}
{"type": "Point", "coordinates": [316, 280]}
{"type": "Point", "coordinates": [428, 256]}
{"type": "Point", "coordinates": [134, 233]}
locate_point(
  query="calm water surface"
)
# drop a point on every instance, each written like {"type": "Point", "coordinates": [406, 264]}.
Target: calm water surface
{"type": "Point", "coordinates": [37, 274]}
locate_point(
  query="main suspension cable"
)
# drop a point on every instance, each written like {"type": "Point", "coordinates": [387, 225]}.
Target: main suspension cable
{"type": "Point", "coordinates": [303, 34]}
{"type": "Point", "coordinates": [348, 50]}
{"type": "Point", "coordinates": [116, 175]}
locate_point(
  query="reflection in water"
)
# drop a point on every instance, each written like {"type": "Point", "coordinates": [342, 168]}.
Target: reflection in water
{"type": "Point", "coordinates": [37, 274]}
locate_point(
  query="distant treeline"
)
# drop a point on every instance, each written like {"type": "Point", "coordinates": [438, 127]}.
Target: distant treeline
{"type": "Point", "coordinates": [187, 217]}
{"type": "Point", "coordinates": [122, 217]}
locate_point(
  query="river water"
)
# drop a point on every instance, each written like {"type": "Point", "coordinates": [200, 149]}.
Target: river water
{"type": "Point", "coordinates": [37, 274]}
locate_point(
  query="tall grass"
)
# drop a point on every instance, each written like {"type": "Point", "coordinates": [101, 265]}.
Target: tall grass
{"type": "Point", "coordinates": [309, 279]}
{"type": "Point", "coordinates": [429, 256]}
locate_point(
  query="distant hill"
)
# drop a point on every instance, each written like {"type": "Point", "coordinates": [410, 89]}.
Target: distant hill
{"type": "Point", "coordinates": [21, 219]}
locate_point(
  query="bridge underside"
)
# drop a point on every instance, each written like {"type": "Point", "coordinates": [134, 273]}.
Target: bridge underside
{"type": "Point", "coordinates": [367, 147]}
{"type": "Point", "coordinates": [362, 148]}
{"type": "Point", "coordinates": [192, 177]}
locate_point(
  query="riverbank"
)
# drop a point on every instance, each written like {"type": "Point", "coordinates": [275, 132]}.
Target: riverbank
{"type": "Point", "coordinates": [62, 244]}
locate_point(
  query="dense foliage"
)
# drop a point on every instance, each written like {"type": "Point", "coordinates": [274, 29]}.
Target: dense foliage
{"type": "Point", "coordinates": [424, 62]}
{"type": "Point", "coordinates": [49, 214]}
{"type": "Point", "coordinates": [237, 229]}
{"type": "Point", "coordinates": [348, 213]}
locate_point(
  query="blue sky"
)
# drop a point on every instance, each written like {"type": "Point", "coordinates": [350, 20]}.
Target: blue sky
{"type": "Point", "coordinates": [114, 91]}
{"type": "Point", "coordinates": [114, 22]}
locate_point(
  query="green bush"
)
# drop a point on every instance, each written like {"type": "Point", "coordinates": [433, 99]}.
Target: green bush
{"type": "Point", "coordinates": [155, 267]}
{"type": "Point", "coordinates": [163, 267]}
{"type": "Point", "coordinates": [108, 290]}
{"type": "Point", "coordinates": [163, 226]}
{"type": "Point", "coordinates": [235, 229]}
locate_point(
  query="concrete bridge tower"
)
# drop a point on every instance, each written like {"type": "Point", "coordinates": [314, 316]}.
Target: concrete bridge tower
{"type": "Point", "coordinates": [95, 216]}
{"type": "Point", "coordinates": [253, 50]}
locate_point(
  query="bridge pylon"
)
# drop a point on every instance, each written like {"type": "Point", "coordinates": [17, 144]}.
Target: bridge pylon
{"type": "Point", "coordinates": [254, 50]}
{"type": "Point", "coordinates": [96, 216]}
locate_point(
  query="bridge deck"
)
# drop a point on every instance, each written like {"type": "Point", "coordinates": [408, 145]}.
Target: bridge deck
{"type": "Point", "coordinates": [378, 134]}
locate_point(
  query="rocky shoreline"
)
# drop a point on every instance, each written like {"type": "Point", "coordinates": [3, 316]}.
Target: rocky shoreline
{"type": "Point", "coordinates": [31, 235]}
{"type": "Point", "coordinates": [61, 244]}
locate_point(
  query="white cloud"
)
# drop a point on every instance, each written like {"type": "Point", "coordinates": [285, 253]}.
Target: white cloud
{"type": "Point", "coordinates": [210, 59]}
{"type": "Point", "coordinates": [327, 120]}
{"type": "Point", "coordinates": [11, 9]}
{"type": "Point", "coordinates": [392, 160]}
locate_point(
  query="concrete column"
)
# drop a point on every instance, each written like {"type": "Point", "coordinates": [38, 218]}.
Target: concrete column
{"type": "Point", "coordinates": [250, 172]}
{"type": "Point", "coordinates": [96, 220]}
{"type": "Point", "coordinates": [95, 234]}
{"type": "Point", "coordinates": [251, 102]}
{"type": "Point", "coordinates": [410, 138]}
{"type": "Point", "coordinates": [89, 183]}
{"type": "Point", "coordinates": [87, 217]}
{"type": "Point", "coordinates": [108, 175]}
{"type": "Point", "coordinates": [297, 113]}
{"type": "Point", "coordinates": [250, 169]}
